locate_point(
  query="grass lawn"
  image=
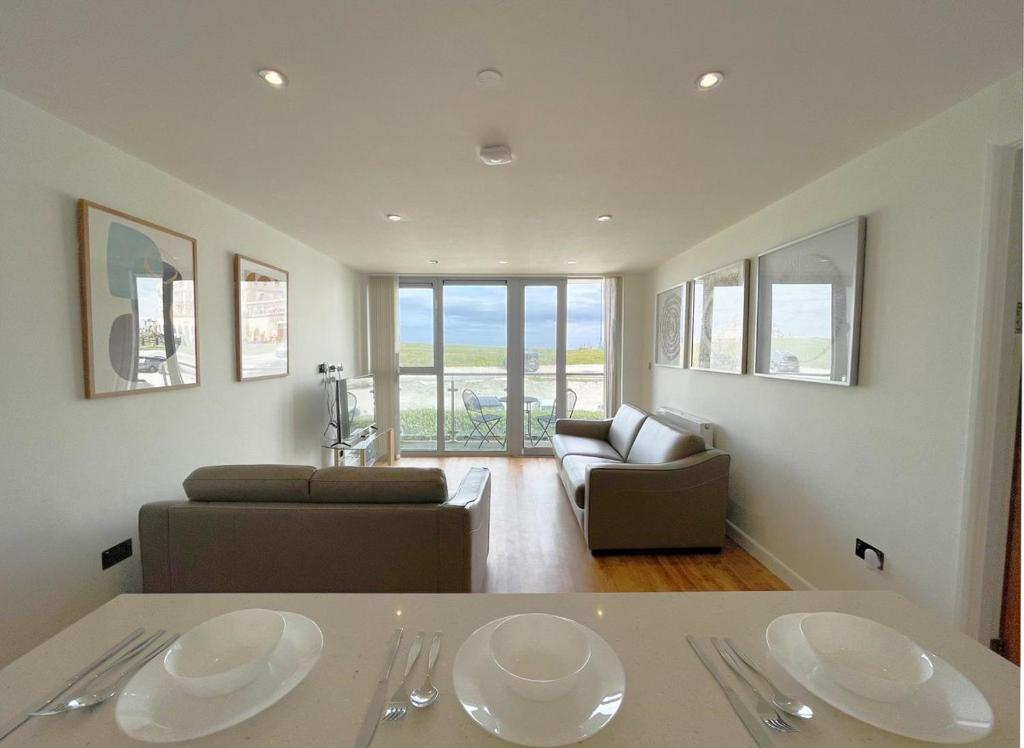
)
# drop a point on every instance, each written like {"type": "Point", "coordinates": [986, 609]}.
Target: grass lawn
{"type": "Point", "coordinates": [421, 354]}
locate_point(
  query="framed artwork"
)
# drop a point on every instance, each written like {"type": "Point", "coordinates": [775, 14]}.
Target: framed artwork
{"type": "Point", "coordinates": [139, 304]}
{"type": "Point", "coordinates": [670, 327]}
{"type": "Point", "coordinates": [261, 320]}
{"type": "Point", "coordinates": [808, 306]}
{"type": "Point", "coordinates": [718, 319]}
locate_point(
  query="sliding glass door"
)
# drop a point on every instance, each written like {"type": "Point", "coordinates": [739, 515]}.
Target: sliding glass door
{"type": "Point", "coordinates": [488, 365]}
{"type": "Point", "coordinates": [475, 365]}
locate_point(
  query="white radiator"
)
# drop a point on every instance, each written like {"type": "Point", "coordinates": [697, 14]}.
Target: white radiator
{"type": "Point", "coordinates": [689, 422]}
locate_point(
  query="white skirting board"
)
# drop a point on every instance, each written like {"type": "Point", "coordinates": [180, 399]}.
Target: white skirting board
{"type": "Point", "coordinates": [766, 557]}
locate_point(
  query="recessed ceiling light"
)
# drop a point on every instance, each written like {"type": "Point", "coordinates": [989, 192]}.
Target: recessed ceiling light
{"type": "Point", "coordinates": [503, 262]}
{"type": "Point", "coordinates": [273, 77]}
{"type": "Point", "coordinates": [393, 217]}
{"type": "Point", "coordinates": [570, 262]}
{"type": "Point", "coordinates": [433, 262]}
{"type": "Point", "coordinates": [604, 217]}
{"type": "Point", "coordinates": [709, 80]}
{"type": "Point", "coordinates": [489, 78]}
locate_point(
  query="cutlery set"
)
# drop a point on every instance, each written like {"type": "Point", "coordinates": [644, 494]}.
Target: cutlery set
{"type": "Point", "coordinates": [774, 710]}
{"type": "Point", "coordinates": [397, 706]}
{"type": "Point", "coordinates": [100, 680]}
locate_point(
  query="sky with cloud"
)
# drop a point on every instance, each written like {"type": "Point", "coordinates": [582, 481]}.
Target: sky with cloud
{"type": "Point", "coordinates": [477, 315]}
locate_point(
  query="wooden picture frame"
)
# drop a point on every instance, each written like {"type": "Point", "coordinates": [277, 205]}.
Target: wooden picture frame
{"type": "Point", "coordinates": [671, 326]}
{"type": "Point", "coordinates": [136, 279]}
{"type": "Point", "coordinates": [718, 342]}
{"type": "Point", "coordinates": [261, 320]}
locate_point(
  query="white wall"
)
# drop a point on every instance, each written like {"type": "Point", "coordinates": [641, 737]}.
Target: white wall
{"type": "Point", "coordinates": [815, 466]}
{"type": "Point", "coordinates": [74, 472]}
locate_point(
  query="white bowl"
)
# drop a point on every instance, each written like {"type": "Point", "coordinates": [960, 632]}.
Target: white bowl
{"type": "Point", "coordinates": [540, 656]}
{"type": "Point", "coordinates": [866, 657]}
{"type": "Point", "coordinates": [225, 653]}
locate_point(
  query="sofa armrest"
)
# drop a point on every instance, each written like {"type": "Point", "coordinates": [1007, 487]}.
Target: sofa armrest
{"type": "Point", "coordinates": [154, 545]}
{"type": "Point", "coordinates": [673, 504]}
{"type": "Point", "coordinates": [584, 428]}
{"type": "Point", "coordinates": [465, 534]}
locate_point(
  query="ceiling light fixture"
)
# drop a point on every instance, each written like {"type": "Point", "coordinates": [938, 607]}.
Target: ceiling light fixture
{"type": "Point", "coordinates": [570, 262]}
{"type": "Point", "coordinates": [604, 217]}
{"type": "Point", "coordinates": [433, 262]}
{"type": "Point", "coordinates": [273, 77]}
{"type": "Point", "coordinates": [503, 262]}
{"type": "Point", "coordinates": [709, 80]}
{"type": "Point", "coordinates": [393, 217]}
{"type": "Point", "coordinates": [489, 78]}
{"type": "Point", "coordinates": [496, 155]}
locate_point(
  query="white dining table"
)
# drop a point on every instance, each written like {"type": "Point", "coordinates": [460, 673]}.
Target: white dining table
{"type": "Point", "coordinates": [670, 699]}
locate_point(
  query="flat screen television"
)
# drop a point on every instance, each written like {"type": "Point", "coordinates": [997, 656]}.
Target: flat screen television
{"type": "Point", "coordinates": [353, 412]}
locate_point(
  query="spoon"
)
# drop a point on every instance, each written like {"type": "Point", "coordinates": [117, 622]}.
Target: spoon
{"type": "Point", "coordinates": [786, 703]}
{"type": "Point", "coordinates": [427, 694]}
{"type": "Point", "coordinates": [100, 695]}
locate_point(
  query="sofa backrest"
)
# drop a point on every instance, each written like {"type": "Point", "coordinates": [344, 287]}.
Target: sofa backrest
{"type": "Point", "coordinates": [658, 442]}
{"type": "Point", "coordinates": [624, 428]}
{"type": "Point", "coordinates": [249, 483]}
{"type": "Point", "coordinates": [305, 484]}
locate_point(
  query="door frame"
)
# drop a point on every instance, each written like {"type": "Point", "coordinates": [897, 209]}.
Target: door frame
{"type": "Point", "coordinates": [515, 337]}
{"type": "Point", "coordinates": [996, 372]}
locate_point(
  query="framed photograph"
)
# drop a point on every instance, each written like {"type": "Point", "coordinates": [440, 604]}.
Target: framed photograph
{"type": "Point", "coordinates": [670, 327]}
{"type": "Point", "coordinates": [718, 319]}
{"type": "Point", "coordinates": [261, 320]}
{"type": "Point", "coordinates": [808, 306]}
{"type": "Point", "coordinates": [140, 328]}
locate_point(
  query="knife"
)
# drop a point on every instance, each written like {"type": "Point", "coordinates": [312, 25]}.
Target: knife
{"type": "Point", "coordinates": [754, 726]}
{"type": "Point", "coordinates": [372, 718]}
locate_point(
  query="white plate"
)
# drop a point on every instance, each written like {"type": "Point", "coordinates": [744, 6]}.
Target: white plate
{"type": "Point", "coordinates": [576, 716]}
{"type": "Point", "coordinates": [948, 708]}
{"type": "Point", "coordinates": [155, 709]}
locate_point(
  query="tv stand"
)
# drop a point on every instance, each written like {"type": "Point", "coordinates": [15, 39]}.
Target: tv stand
{"type": "Point", "coordinates": [367, 448]}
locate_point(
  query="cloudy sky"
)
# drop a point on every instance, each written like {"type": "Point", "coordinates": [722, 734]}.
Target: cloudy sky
{"type": "Point", "coordinates": [476, 315]}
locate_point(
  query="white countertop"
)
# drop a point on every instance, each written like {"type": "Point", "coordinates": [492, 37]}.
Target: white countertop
{"type": "Point", "coordinates": [670, 699]}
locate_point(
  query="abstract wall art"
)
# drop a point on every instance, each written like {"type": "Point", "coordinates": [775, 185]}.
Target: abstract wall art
{"type": "Point", "coordinates": [261, 320]}
{"type": "Point", "coordinates": [808, 307]}
{"type": "Point", "coordinates": [718, 314]}
{"type": "Point", "coordinates": [670, 327]}
{"type": "Point", "coordinates": [139, 305]}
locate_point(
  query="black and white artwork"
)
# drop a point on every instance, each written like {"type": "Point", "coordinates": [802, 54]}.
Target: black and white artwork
{"type": "Point", "coordinates": [671, 327]}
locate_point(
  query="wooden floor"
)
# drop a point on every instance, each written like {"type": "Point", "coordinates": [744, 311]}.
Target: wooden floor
{"type": "Point", "coordinates": [537, 545]}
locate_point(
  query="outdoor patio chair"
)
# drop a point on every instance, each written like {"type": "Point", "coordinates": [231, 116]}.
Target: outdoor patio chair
{"type": "Point", "coordinates": [483, 423]}
{"type": "Point", "coordinates": [547, 421]}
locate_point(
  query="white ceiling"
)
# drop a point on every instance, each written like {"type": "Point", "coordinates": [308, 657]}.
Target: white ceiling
{"type": "Point", "coordinates": [383, 113]}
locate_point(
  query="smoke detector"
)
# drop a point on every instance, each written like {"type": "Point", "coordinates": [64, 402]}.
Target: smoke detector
{"type": "Point", "coordinates": [496, 155]}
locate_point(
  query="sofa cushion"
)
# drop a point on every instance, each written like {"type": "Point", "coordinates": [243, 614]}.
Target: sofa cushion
{"type": "Point", "coordinates": [564, 444]}
{"type": "Point", "coordinates": [624, 428]}
{"type": "Point", "coordinates": [574, 470]}
{"type": "Point", "coordinates": [249, 483]}
{"type": "Point", "coordinates": [378, 485]}
{"type": "Point", "coordinates": [658, 442]}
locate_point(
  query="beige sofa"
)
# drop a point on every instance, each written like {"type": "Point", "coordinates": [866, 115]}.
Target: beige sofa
{"type": "Point", "coordinates": [635, 481]}
{"type": "Point", "coordinates": [293, 528]}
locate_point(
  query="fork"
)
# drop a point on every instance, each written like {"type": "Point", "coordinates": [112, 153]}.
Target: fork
{"type": "Point", "coordinates": [398, 705]}
{"type": "Point", "coordinates": [765, 711]}
{"type": "Point", "coordinates": [100, 695]}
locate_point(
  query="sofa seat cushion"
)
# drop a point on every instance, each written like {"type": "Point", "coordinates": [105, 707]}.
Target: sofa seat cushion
{"type": "Point", "coordinates": [624, 428]}
{"type": "Point", "coordinates": [378, 485]}
{"type": "Point", "coordinates": [249, 483]}
{"type": "Point", "coordinates": [564, 445]}
{"type": "Point", "coordinates": [658, 442]}
{"type": "Point", "coordinates": [574, 471]}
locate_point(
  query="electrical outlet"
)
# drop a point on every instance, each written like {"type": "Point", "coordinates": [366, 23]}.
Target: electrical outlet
{"type": "Point", "coordinates": [862, 546]}
{"type": "Point", "coordinates": [115, 554]}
